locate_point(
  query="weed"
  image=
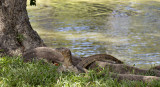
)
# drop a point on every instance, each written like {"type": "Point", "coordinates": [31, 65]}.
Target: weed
{"type": "Point", "coordinates": [14, 72]}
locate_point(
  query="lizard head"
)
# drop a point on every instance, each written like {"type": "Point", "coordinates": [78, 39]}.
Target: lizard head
{"type": "Point", "coordinates": [66, 54]}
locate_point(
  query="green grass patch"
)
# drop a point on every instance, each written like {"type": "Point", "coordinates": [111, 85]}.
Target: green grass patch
{"type": "Point", "coordinates": [15, 73]}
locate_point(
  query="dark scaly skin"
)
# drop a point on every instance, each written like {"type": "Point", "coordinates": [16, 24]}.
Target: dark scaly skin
{"type": "Point", "coordinates": [133, 77]}
{"type": "Point", "coordinates": [123, 69]}
{"type": "Point", "coordinates": [98, 57]}
{"type": "Point", "coordinates": [117, 64]}
{"type": "Point", "coordinates": [49, 54]}
{"type": "Point", "coordinates": [59, 55]}
{"type": "Point", "coordinates": [66, 54]}
{"type": "Point", "coordinates": [68, 65]}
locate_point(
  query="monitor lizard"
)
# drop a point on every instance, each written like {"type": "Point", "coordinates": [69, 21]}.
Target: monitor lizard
{"type": "Point", "coordinates": [98, 57]}
{"type": "Point", "coordinates": [61, 55]}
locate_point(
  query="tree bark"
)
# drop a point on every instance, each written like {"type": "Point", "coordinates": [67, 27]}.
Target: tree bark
{"type": "Point", "coordinates": [16, 33]}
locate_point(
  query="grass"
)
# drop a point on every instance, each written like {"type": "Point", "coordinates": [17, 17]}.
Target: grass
{"type": "Point", "coordinates": [15, 73]}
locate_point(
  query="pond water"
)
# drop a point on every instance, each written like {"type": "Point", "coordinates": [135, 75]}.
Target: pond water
{"type": "Point", "coordinates": [128, 30]}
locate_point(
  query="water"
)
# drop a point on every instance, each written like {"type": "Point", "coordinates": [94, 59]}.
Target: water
{"type": "Point", "coordinates": [128, 30]}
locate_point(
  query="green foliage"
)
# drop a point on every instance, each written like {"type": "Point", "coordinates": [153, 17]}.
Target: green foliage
{"type": "Point", "coordinates": [1, 50]}
{"type": "Point", "coordinates": [15, 73]}
{"type": "Point", "coordinates": [20, 37]}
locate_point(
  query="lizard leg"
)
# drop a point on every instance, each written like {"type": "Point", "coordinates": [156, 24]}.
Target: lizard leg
{"type": "Point", "coordinates": [82, 70]}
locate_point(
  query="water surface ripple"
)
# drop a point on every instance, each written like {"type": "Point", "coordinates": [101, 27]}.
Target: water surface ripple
{"type": "Point", "coordinates": [128, 30]}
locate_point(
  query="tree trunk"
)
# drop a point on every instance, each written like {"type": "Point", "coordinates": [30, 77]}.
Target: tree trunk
{"type": "Point", "coordinates": [16, 33]}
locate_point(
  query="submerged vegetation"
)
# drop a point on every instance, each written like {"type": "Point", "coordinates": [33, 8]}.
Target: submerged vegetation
{"type": "Point", "coordinates": [15, 73]}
